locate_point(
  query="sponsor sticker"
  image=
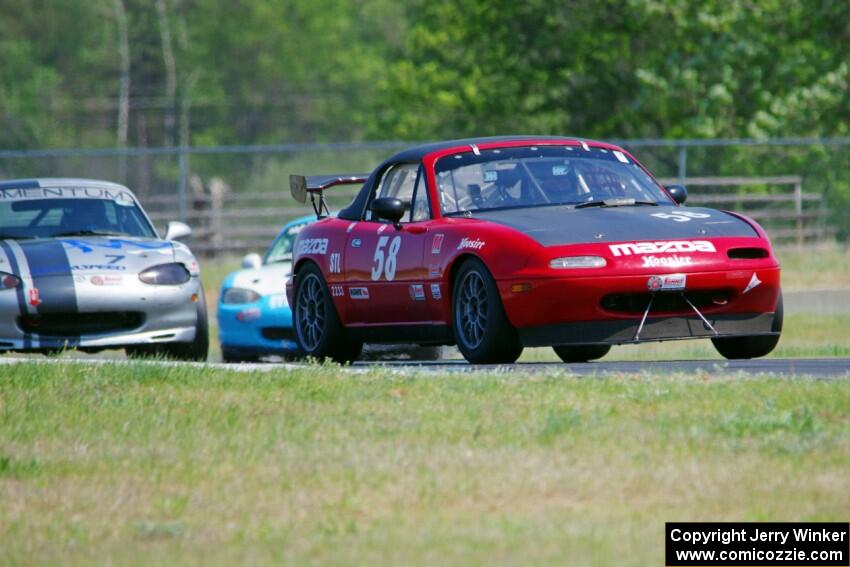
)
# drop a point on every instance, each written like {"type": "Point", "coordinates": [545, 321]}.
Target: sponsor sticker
{"type": "Point", "coordinates": [437, 243]}
{"type": "Point", "coordinates": [417, 292]}
{"type": "Point", "coordinates": [351, 227]}
{"type": "Point", "coordinates": [356, 243]}
{"type": "Point", "coordinates": [358, 292]}
{"type": "Point", "coordinates": [98, 268]}
{"type": "Point", "coordinates": [35, 301]}
{"type": "Point", "coordinates": [673, 261]}
{"type": "Point", "coordinates": [559, 170]}
{"type": "Point", "coordinates": [473, 244]}
{"type": "Point", "coordinates": [436, 293]}
{"type": "Point", "coordinates": [661, 247]}
{"type": "Point", "coordinates": [120, 196]}
{"type": "Point", "coordinates": [106, 280]}
{"type": "Point", "coordinates": [681, 216]}
{"type": "Point", "coordinates": [754, 282]}
{"type": "Point", "coordinates": [491, 175]}
{"type": "Point", "coordinates": [250, 314]}
{"type": "Point", "coordinates": [670, 282]}
{"type": "Point", "coordinates": [434, 270]}
{"type": "Point", "coordinates": [86, 246]}
{"type": "Point", "coordinates": [313, 246]}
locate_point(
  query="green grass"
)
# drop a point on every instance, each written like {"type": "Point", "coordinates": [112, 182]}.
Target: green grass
{"type": "Point", "coordinates": [128, 464]}
{"type": "Point", "coordinates": [825, 265]}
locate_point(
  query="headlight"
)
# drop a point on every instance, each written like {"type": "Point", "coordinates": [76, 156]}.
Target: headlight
{"type": "Point", "coordinates": [166, 274]}
{"type": "Point", "coordinates": [237, 295]}
{"type": "Point", "coordinates": [578, 262]}
{"type": "Point", "coordinates": [9, 281]}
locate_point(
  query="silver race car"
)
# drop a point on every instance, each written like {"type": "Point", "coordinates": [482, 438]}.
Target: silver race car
{"type": "Point", "coordinates": [81, 266]}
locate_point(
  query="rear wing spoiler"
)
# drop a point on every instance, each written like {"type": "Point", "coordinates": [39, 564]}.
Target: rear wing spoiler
{"type": "Point", "coordinates": [314, 185]}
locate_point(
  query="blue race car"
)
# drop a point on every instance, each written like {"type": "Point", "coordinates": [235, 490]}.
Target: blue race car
{"type": "Point", "coordinates": [254, 318]}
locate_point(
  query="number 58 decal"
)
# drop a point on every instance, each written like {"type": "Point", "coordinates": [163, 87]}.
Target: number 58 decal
{"type": "Point", "coordinates": [681, 216]}
{"type": "Point", "coordinates": [386, 266]}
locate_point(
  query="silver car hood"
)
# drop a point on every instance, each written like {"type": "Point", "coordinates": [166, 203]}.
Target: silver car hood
{"type": "Point", "coordinates": [84, 255]}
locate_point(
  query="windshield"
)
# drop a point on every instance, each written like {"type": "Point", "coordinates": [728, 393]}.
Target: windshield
{"type": "Point", "coordinates": [540, 176]}
{"type": "Point", "coordinates": [281, 249]}
{"type": "Point", "coordinates": [81, 216]}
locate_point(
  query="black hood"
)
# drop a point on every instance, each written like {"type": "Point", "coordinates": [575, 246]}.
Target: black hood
{"type": "Point", "coordinates": [552, 226]}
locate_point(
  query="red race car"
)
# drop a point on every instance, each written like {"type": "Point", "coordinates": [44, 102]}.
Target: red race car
{"type": "Point", "coordinates": [495, 244]}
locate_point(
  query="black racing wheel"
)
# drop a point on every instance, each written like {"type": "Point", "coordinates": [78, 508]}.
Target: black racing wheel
{"type": "Point", "coordinates": [482, 330]}
{"type": "Point", "coordinates": [317, 327]}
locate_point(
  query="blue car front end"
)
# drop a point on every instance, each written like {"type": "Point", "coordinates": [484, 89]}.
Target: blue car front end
{"type": "Point", "coordinates": [254, 318]}
{"type": "Point", "coordinates": [255, 329]}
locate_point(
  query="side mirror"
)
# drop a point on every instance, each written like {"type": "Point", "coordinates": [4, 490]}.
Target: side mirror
{"type": "Point", "coordinates": [678, 192]}
{"type": "Point", "coordinates": [177, 230]}
{"type": "Point", "coordinates": [388, 208]}
{"type": "Point", "coordinates": [252, 261]}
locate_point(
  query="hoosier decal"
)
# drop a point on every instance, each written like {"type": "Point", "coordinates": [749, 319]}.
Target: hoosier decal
{"type": "Point", "coordinates": [672, 261]}
{"type": "Point", "coordinates": [474, 244]}
{"type": "Point", "coordinates": [662, 247]}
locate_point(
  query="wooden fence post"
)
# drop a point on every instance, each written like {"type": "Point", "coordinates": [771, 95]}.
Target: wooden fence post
{"type": "Point", "coordinates": [798, 211]}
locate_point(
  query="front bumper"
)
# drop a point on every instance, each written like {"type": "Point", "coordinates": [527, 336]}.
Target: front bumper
{"type": "Point", "coordinates": [260, 328]}
{"type": "Point", "coordinates": [562, 311]}
{"type": "Point", "coordinates": [165, 314]}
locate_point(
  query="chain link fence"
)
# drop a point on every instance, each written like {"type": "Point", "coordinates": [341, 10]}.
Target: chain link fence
{"type": "Point", "coordinates": [236, 198]}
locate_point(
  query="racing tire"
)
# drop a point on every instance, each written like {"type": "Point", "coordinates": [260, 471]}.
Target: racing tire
{"type": "Point", "coordinates": [482, 330]}
{"type": "Point", "coordinates": [736, 348]}
{"type": "Point", "coordinates": [318, 330]}
{"type": "Point", "coordinates": [581, 353]}
{"type": "Point", "coordinates": [195, 351]}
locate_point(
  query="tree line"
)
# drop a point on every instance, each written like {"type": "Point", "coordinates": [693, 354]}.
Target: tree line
{"type": "Point", "coordinates": [144, 73]}
{"type": "Point", "coordinates": [163, 72]}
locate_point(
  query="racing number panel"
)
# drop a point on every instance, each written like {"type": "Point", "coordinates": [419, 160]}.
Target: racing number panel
{"type": "Point", "coordinates": [384, 271]}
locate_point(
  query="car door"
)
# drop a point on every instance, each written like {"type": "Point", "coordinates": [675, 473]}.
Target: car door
{"type": "Point", "coordinates": [385, 279]}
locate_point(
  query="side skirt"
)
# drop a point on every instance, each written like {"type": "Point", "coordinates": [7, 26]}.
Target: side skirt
{"type": "Point", "coordinates": [427, 334]}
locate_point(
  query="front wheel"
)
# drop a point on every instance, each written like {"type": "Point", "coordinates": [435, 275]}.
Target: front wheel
{"type": "Point", "coordinates": [482, 330]}
{"type": "Point", "coordinates": [735, 348]}
{"type": "Point", "coordinates": [581, 353]}
{"type": "Point", "coordinates": [317, 327]}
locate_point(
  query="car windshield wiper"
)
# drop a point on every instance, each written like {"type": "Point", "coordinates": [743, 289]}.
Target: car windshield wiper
{"type": "Point", "coordinates": [88, 233]}
{"type": "Point", "coordinates": [615, 203]}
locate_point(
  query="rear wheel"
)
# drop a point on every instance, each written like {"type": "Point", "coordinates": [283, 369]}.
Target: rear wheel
{"type": "Point", "coordinates": [317, 327]}
{"type": "Point", "coordinates": [581, 353]}
{"type": "Point", "coordinates": [752, 347]}
{"type": "Point", "coordinates": [482, 330]}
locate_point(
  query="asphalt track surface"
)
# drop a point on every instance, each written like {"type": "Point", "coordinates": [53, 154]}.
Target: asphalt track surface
{"type": "Point", "coordinates": [814, 367]}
